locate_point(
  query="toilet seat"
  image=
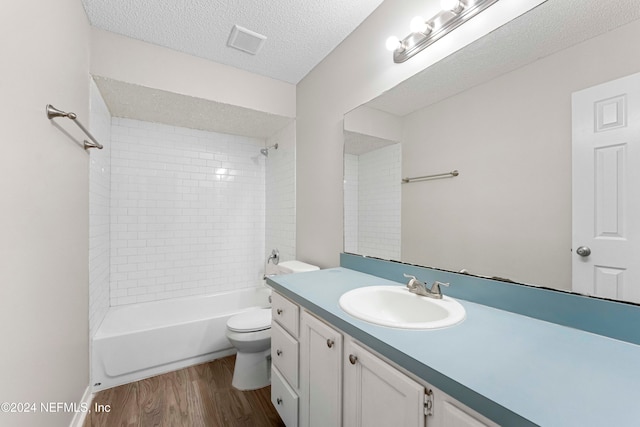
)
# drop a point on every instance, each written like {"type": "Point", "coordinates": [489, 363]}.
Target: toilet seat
{"type": "Point", "coordinates": [251, 321]}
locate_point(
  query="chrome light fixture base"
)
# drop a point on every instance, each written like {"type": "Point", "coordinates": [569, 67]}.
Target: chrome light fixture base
{"type": "Point", "coordinates": [440, 25]}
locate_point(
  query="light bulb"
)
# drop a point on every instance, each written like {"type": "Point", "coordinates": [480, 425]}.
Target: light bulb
{"type": "Point", "coordinates": [451, 5]}
{"type": "Point", "coordinates": [393, 43]}
{"type": "Point", "coordinates": [419, 25]}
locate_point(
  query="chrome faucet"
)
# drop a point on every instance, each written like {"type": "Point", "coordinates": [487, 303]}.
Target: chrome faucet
{"type": "Point", "coordinates": [274, 257]}
{"type": "Point", "coordinates": [417, 287]}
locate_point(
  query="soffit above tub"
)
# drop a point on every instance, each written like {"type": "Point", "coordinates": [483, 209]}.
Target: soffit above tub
{"type": "Point", "coordinates": [131, 101]}
{"type": "Point", "coordinates": [358, 143]}
{"type": "Point", "coordinates": [548, 28]}
{"type": "Point", "coordinates": [300, 33]}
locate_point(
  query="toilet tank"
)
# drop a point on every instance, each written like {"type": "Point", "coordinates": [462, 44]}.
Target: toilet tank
{"type": "Point", "coordinates": [294, 266]}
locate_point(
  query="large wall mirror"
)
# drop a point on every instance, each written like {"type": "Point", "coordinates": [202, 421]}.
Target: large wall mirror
{"type": "Point", "coordinates": [500, 112]}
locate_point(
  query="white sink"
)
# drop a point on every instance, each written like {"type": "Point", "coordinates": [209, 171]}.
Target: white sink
{"type": "Point", "coordinates": [396, 307]}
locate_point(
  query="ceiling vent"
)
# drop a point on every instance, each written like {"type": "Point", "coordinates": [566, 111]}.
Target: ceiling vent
{"type": "Point", "coordinates": [245, 40]}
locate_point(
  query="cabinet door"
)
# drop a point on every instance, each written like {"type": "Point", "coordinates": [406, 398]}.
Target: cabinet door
{"type": "Point", "coordinates": [448, 412]}
{"type": "Point", "coordinates": [453, 416]}
{"type": "Point", "coordinates": [320, 373]}
{"type": "Point", "coordinates": [378, 395]}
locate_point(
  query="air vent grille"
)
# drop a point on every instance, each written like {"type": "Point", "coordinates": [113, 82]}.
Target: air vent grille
{"type": "Point", "coordinates": [245, 40]}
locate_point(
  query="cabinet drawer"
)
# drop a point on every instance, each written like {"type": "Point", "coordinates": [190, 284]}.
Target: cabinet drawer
{"type": "Point", "coordinates": [284, 399]}
{"type": "Point", "coordinates": [285, 312]}
{"type": "Point", "coordinates": [284, 354]}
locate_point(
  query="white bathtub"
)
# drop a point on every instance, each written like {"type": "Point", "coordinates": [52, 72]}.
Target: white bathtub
{"type": "Point", "coordinates": [142, 340]}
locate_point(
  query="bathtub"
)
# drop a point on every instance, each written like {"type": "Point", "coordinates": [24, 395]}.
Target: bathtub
{"type": "Point", "coordinates": [142, 340]}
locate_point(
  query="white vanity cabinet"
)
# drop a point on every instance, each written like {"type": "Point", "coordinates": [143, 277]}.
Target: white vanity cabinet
{"type": "Point", "coordinates": [376, 394]}
{"type": "Point", "coordinates": [448, 412]}
{"type": "Point", "coordinates": [285, 358]}
{"type": "Point", "coordinates": [323, 377]}
{"type": "Point", "coordinates": [320, 373]}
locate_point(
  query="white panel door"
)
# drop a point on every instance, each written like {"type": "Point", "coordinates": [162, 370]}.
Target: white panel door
{"type": "Point", "coordinates": [606, 189]}
{"type": "Point", "coordinates": [378, 395]}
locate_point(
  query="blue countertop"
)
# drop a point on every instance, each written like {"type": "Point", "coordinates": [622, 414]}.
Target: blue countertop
{"type": "Point", "coordinates": [514, 369]}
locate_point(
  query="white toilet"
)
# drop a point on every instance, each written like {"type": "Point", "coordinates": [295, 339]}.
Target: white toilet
{"type": "Point", "coordinates": [250, 334]}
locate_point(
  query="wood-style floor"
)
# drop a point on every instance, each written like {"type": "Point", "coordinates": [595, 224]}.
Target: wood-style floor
{"type": "Point", "coordinates": [199, 395]}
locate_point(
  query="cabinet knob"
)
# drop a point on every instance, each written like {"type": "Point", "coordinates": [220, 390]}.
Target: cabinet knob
{"type": "Point", "coordinates": [279, 311]}
{"type": "Point", "coordinates": [279, 401]}
{"type": "Point", "coordinates": [353, 359]}
{"type": "Point", "coordinates": [330, 343]}
{"type": "Point", "coordinates": [279, 352]}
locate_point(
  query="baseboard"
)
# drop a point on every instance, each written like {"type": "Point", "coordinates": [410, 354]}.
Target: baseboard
{"type": "Point", "coordinates": [79, 417]}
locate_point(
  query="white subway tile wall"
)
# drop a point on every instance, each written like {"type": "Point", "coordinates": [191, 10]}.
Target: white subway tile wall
{"type": "Point", "coordinates": [281, 194]}
{"type": "Point", "coordinates": [379, 199]}
{"type": "Point", "coordinates": [351, 203]}
{"type": "Point", "coordinates": [99, 195]}
{"type": "Point", "coordinates": [187, 212]}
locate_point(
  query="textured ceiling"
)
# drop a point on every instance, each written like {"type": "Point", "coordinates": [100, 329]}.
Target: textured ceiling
{"type": "Point", "coordinates": [548, 28]}
{"type": "Point", "coordinates": [358, 143]}
{"type": "Point", "coordinates": [300, 33]}
{"type": "Point", "coordinates": [158, 106]}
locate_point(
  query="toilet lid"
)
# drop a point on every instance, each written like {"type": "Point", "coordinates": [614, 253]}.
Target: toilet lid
{"type": "Point", "coordinates": [251, 321]}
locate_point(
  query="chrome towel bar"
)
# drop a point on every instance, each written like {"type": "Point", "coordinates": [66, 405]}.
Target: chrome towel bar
{"type": "Point", "coordinates": [53, 112]}
{"type": "Point", "coordinates": [437, 175]}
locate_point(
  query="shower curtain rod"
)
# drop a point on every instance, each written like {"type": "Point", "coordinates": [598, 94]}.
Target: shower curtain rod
{"type": "Point", "coordinates": [53, 112]}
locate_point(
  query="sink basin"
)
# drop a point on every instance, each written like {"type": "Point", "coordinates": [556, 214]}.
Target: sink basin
{"type": "Point", "coordinates": [396, 307]}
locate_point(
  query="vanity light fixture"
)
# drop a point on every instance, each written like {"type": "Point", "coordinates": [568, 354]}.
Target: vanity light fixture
{"type": "Point", "coordinates": [424, 32]}
{"type": "Point", "coordinates": [420, 25]}
{"type": "Point", "coordinates": [454, 6]}
{"type": "Point", "coordinates": [394, 44]}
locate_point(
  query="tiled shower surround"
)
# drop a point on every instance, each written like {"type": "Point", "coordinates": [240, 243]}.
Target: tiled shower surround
{"type": "Point", "coordinates": [372, 220]}
{"type": "Point", "coordinates": [187, 212]}
{"type": "Point", "coordinates": [351, 203]}
{"type": "Point", "coordinates": [99, 202]}
{"type": "Point", "coordinates": [281, 193]}
{"type": "Point", "coordinates": [177, 212]}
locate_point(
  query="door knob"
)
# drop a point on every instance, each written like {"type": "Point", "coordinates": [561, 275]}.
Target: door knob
{"type": "Point", "coordinates": [583, 251]}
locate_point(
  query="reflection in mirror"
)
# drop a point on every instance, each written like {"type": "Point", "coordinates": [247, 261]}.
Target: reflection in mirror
{"type": "Point", "coordinates": [372, 157]}
{"type": "Point", "coordinates": [500, 112]}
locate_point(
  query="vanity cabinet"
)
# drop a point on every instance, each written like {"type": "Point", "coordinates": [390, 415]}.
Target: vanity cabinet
{"type": "Point", "coordinates": [284, 358]}
{"type": "Point", "coordinates": [449, 412]}
{"type": "Point", "coordinates": [286, 313]}
{"type": "Point", "coordinates": [323, 377]}
{"type": "Point", "coordinates": [376, 394]}
{"type": "Point", "coordinates": [284, 354]}
{"type": "Point", "coordinates": [320, 373]}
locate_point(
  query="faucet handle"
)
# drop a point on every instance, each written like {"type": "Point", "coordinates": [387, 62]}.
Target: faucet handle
{"type": "Point", "coordinates": [435, 288]}
{"type": "Point", "coordinates": [412, 282]}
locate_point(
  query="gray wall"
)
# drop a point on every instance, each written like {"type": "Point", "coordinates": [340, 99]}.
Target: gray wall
{"type": "Point", "coordinates": [359, 69]}
{"type": "Point", "coordinates": [44, 217]}
{"type": "Point", "coordinates": [508, 214]}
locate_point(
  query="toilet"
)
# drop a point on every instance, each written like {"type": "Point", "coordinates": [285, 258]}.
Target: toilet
{"type": "Point", "coordinates": [250, 334]}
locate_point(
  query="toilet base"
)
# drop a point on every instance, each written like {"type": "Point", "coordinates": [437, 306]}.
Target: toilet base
{"type": "Point", "coordinates": [252, 370]}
